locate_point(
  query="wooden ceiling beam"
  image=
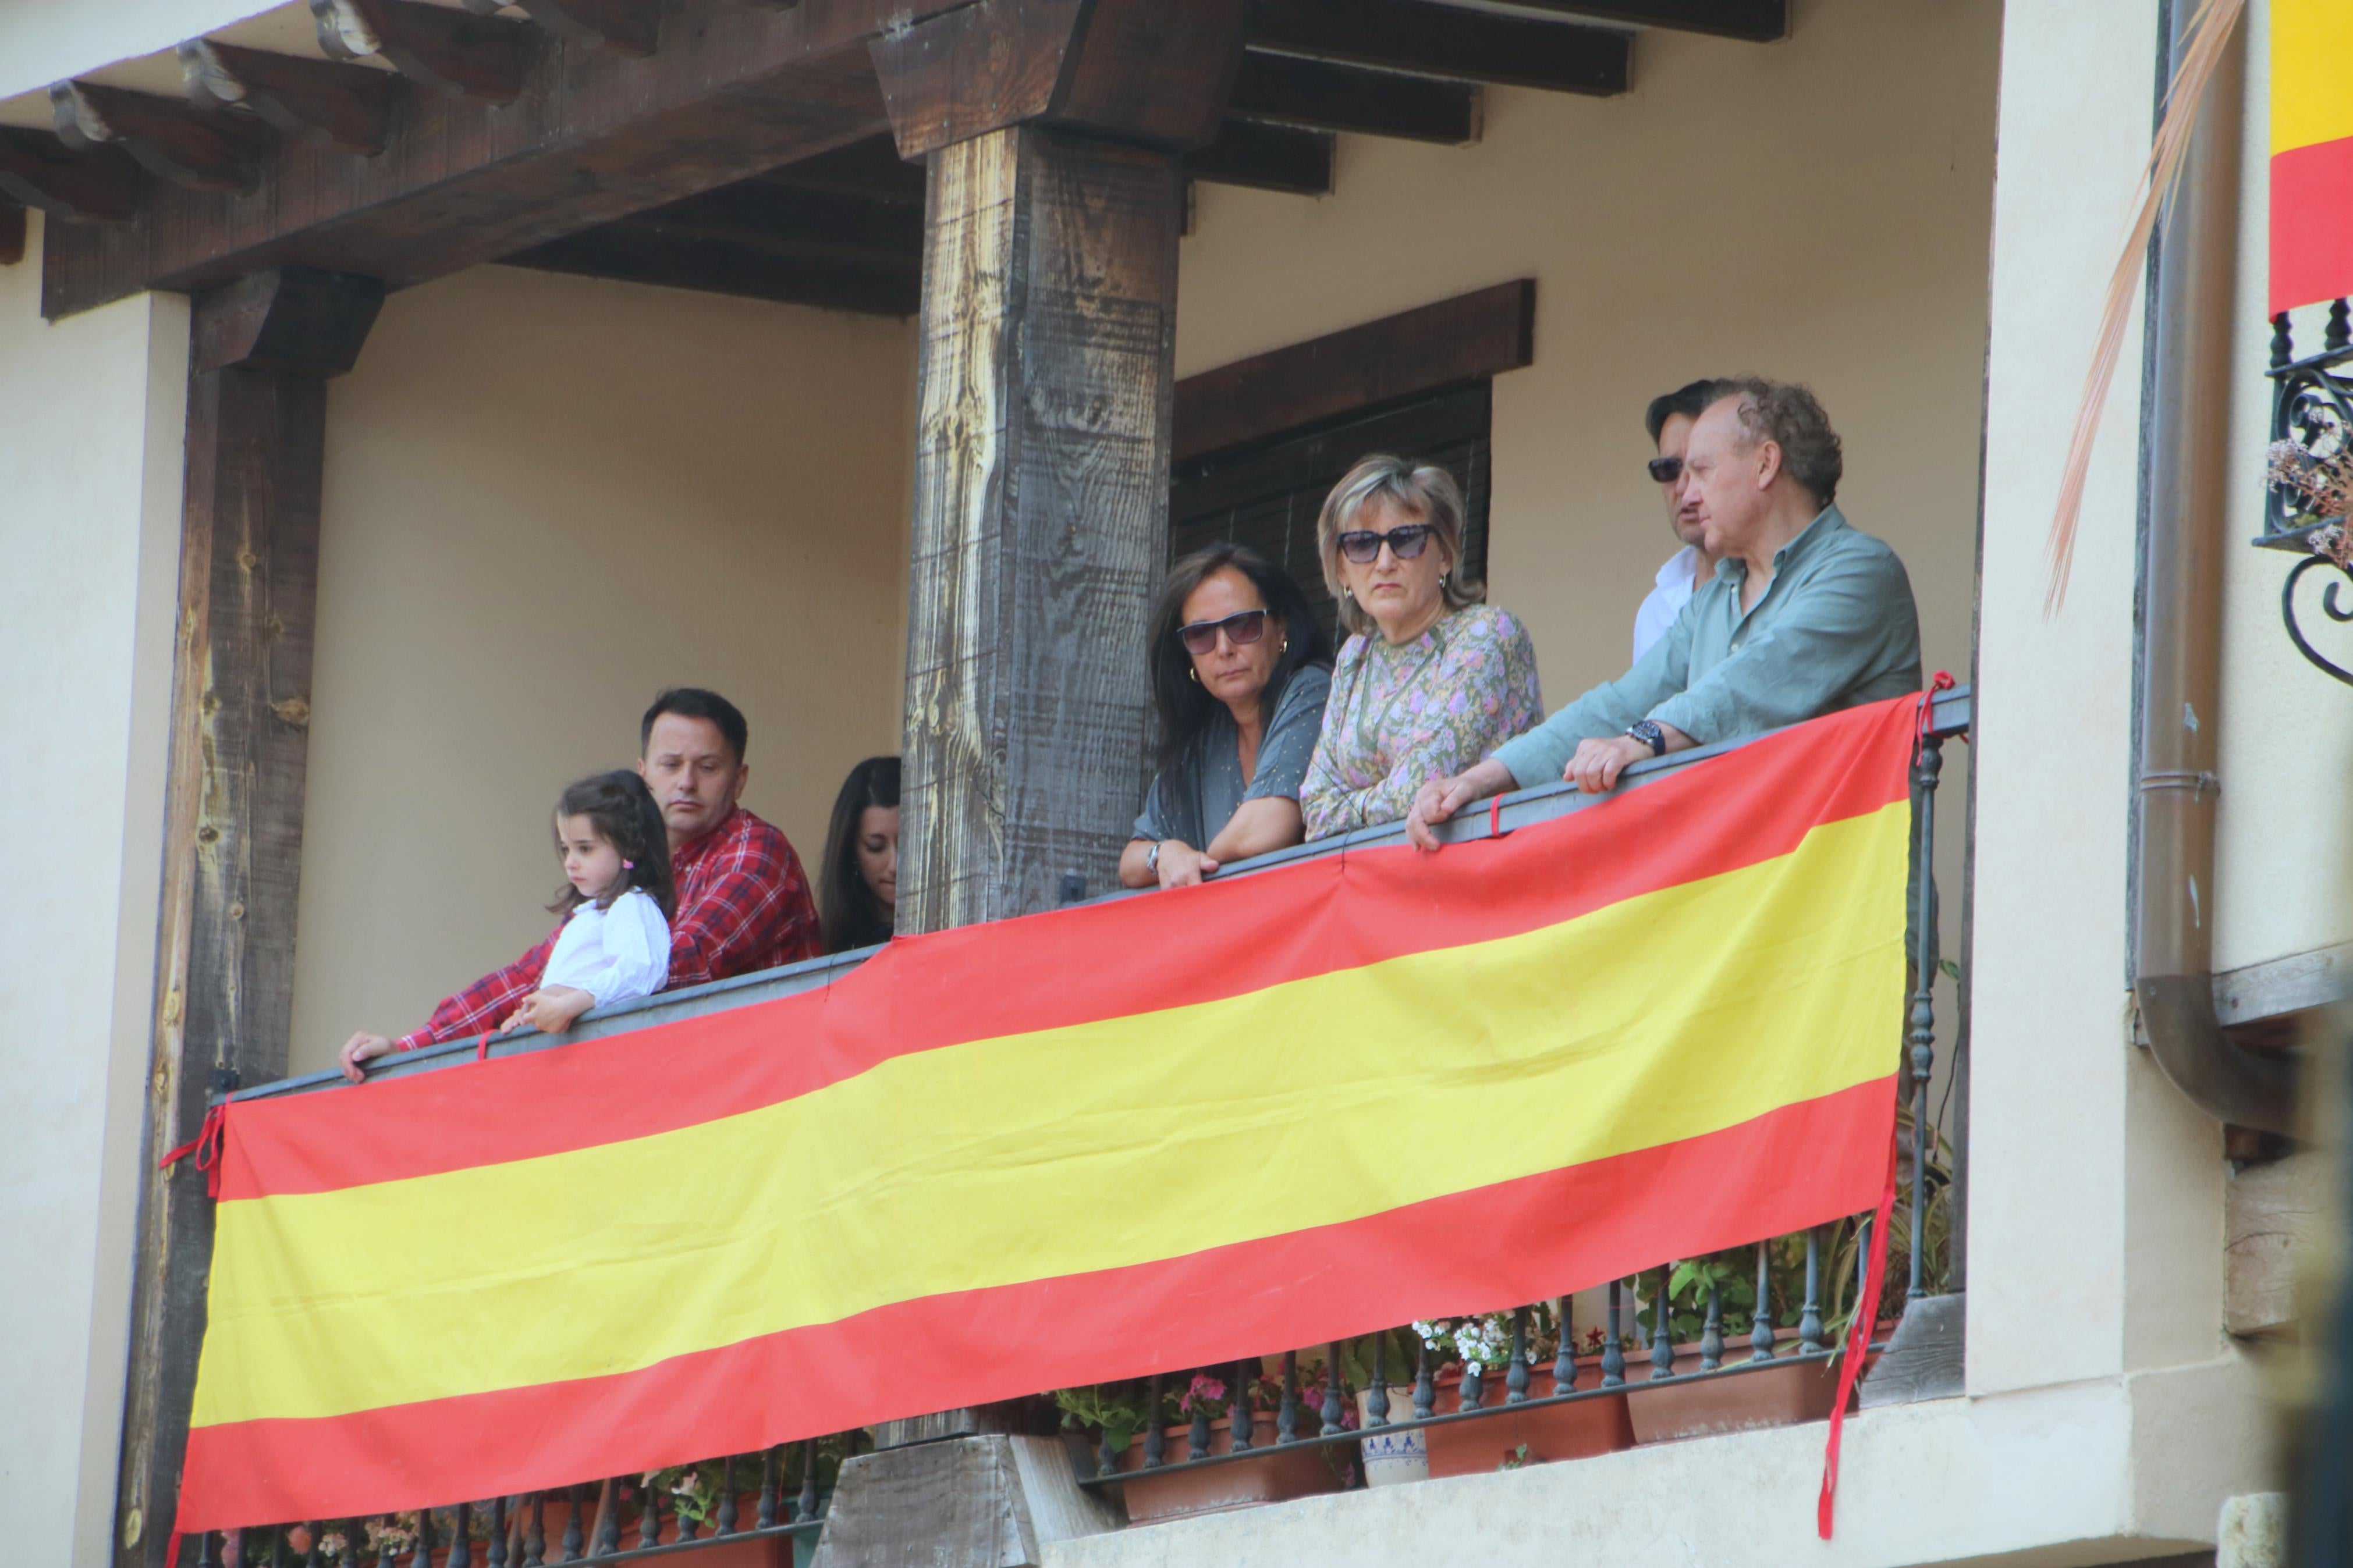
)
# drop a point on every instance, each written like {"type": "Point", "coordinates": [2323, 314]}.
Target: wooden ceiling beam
{"type": "Point", "coordinates": [1449, 41]}
{"type": "Point", "coordinates": [800, 224]}
{"type": "Point", "coordinates": [1291, 90]}
{"type": "Point", "coordinates": [624, 27]}
{"type": "Point", "coordinates": [311, 100]}
{"type": "Point", "coordinates": [40, 170]}
{"type": "Point", "coordinates": [1266, 157]}
{"type": "Point", "coordinates": [736, 89]}
{"type": "Point", "coordinates": [463, 56]}
{"type": "Point", "coordinates": [633, 254]}
{"type": "Point", "coordinates": [870, 168]}
{"type": "Point", "coordinates": [167, 135]}
{"type": "Point", "coordinates": [1753, 21]}
{"type": "Point", "coordinates": [12, 233]}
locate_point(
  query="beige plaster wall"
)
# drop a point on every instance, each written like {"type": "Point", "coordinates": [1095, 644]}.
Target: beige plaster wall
{"type": "Point", "coordinates": [91, 415]}
{"type": "Point", "coordinates": [1813, 209]}
{"type": "Point", "coordinates": [546, 498]}
{"type": "Point", "coordinates": [2283, 851]}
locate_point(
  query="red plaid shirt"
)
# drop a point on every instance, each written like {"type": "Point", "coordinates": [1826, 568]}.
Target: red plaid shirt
{"type": "Point", "coordinates": [743, 905]}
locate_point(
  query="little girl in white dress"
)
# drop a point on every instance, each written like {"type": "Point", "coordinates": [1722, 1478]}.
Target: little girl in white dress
{"type": "Point", "coordinates": [616, 946]}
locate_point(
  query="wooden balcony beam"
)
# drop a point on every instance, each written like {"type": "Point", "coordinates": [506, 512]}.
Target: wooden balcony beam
{"type": "Point", "coordinates": [1265, 157]}
{"type": "Point", "coordinates": [41, 172]}
{"type": "Point", "coordinates": [590, 136]}
{"type": "Point", "coordinates": [12, 232]}
{"type": "Point", "coordinates": [1290, 90]}
{"type": "Point", "coordinates": [624, 27]}
{"type": "Point", "coordinates": [166, 135]}
{"type": "Point", "coordinates": [870, 168]}
{"type": "Point", "coordinates": [1755, 21]}
{"type": "Point", "coordinates": [311, 100]}
{"type": "Point", "coordinates": [1449, 41]}
{"type": "Point", "coordinates": [633, 252]}
{"type": "Point", "coordinates": [480, 57]}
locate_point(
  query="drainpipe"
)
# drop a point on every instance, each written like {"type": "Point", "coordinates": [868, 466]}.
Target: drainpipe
{"type": "Point", "coordinates": [2178, 661]}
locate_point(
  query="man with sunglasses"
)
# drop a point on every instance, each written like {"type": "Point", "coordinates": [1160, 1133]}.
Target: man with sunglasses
{"type": "Point", "coordinates": [1669, 419]}
{"type": "Point", "coordinates": [1805, 616]}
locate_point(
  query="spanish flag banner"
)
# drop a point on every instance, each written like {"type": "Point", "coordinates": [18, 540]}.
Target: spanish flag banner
{"type": "Point", "coordinates": [1145, 1135]}
{"type": "Point", "coordinates": [2312, 151]}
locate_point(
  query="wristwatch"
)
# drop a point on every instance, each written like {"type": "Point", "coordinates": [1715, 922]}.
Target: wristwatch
{"type": "Point", "coordinates": [1648, 731]}
{"type": "Point", "coordinates": [1152, 857]}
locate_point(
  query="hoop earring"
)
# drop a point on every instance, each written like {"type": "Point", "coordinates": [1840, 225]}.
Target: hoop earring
{"type": "Point", "coordinates": [1193, 675]}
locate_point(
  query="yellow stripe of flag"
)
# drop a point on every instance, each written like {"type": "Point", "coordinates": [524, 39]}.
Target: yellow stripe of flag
{"type": "Point", "coordinates": [2312, 72]}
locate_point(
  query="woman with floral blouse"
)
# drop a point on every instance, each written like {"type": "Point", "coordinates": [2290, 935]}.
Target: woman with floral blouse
{"type": "Point", "coordinates": [1433, 679]}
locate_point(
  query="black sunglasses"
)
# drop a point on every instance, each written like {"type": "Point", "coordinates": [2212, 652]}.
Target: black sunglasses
{"type": "Point", "coordinates": [1666, 470]}
{"type": "Point", "coordinates": [1200, 636]}
{"type": "Point", "coordinates": [1406, 542]}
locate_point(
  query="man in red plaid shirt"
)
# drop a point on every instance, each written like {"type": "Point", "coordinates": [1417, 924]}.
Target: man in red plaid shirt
{"type": "Point", "coordinates": [742, 902]}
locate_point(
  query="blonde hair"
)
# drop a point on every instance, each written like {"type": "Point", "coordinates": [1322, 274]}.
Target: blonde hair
{"type": "Point", "coordinates": [1425, 491]}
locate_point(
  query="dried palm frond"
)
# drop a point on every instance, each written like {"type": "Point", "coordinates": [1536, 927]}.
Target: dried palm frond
{"type": "Point", "coordinates": [2209, 31]}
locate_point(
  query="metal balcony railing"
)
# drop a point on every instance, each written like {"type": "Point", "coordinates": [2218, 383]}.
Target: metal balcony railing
{"type": "Point", "coordinates": [755, 1507]}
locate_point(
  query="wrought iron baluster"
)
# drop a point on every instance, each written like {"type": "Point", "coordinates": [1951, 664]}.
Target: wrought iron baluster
{"type": "Point", "coordinates": [1711, 1334]}
{"type": "Point", "coordinates": [575, 1525]}
{"type": "Point", "coordinates": [461, 1546]}
{"type": "Point", "coordinates": [1196, 1436]}
{"type": "Point", "coordinates": [495, 1555]}
{"type": "Point", "coordinates": [1286, 1420]}
{"type": "Point", "coordinates": [726, 1515]}
{"type": "Point", "coordinates": [1155, 1435]}
{"type": "Point", "coordinates": [355, 1542]}
{"type": "Point", "coordinates": [648, 1514]}
{"type": "Point", "coordinates": [1564, 1361]}
{"type": "Point", "coordinates": [1613, 1354]}
{"type": "Point", "coordinates": [1334, 1413]}
{"type": "Point", "coordinates": [1515, 1380]}
{"type": "Point", "coordinates": [1663, 1327]}
{"type": "Point", "coordinates": [2282, 342]}
{"type": "Point", "coordinates": [1471, 1389]}
{"type": "Point", "coordinates": [608, 1518]}
{"type": "Point", "coordinates": [806, 1509]}
{"type": "Point", "coordinates": [1760, 1332]}
{"type": "Point", "coordinates": [383, 1550]}
{"type": "Point", "coordinates": [277, 1546]}
{"type": "Point", "coordinates": [421, 1553]}
{"type": "Point", "coordinates": [1926, 768]}
{"type": "Point", "coordinates": [2339, 335]}
{"type": "Point", "coordinates": [205, 1558]}
{"type": "Point", "coordinates": [1809, 1318]}
{"type": "Point", "coordinates": [1237, 1408]}
{"type": "Point", "coordinates": [686, 1529]}
{"type": "Point", "coordinates": [534, 1531]}
{"type": "Point", "coordinates": [1425, 1386]}
{"type": "Point", "coordinates": [1106, 1458]}
{"type": "Point", "coordinates": [1377, 1398]}
{"type": "Point", "coordinates": [766, 1517]}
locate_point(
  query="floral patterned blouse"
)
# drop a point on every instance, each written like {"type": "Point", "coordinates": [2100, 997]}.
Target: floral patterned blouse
{"type": "Point", "coordinates": [1400, 716]}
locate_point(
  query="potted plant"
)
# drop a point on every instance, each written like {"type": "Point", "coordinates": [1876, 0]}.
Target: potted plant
{"type": "Point", "coordinates": [1480, 1346]}
{"type": "Point", "coordinates": [1123, 1414]}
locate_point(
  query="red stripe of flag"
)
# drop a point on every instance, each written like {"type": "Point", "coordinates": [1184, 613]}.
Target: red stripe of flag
{"type": "Point", "coordinates": [2312, 223]}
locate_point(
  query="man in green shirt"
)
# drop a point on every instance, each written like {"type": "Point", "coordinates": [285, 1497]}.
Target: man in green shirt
{"type": "Point", "coordinates": [1804, 617]}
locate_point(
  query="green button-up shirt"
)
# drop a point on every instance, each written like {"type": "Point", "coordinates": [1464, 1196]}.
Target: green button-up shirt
{"type": "Point", "coordinates": [1835, 628]}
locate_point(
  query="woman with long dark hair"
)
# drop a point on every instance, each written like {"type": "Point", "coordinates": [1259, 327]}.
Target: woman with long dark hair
{"type": "Point", "coordinates": [858, 884]}
{"type": "Point", "coordinates": [1238, 671]}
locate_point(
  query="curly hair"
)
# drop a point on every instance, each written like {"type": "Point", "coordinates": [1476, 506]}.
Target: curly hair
{"type": "Point", "coordinates": [1791, 417]}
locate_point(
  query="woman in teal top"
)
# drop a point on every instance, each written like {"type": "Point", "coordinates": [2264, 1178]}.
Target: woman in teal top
{"type": "Point", "coordinates": [1238, 671]}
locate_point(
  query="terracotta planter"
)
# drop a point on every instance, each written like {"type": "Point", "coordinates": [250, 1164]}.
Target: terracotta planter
{"type": "Point", "coordinates": [1269, 1475]}
{"type": "Point", "coordinates": [1781, 1395]}
{"type": "Point", "coordinates": [1550, 1432]}
{"type": "Point", "coordinates": [768, 1552]}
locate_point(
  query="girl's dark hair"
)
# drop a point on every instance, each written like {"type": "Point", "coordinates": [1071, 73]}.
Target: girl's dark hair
{"type": "Point", "coordinates": [1184, 704]}
{"type": "Point", "coordinates": [622, 810]}
{"type": "Point", "coordinates": [848, 909]}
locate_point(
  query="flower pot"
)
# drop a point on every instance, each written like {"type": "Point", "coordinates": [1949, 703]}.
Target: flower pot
{"type": "Point", "coordinates": [1780, 1394]}
{"type": "Point", "coordinates": [1391, 1457]}
{"type": "Point", "coordinates": [1271, 1474]}
{"type": "Point", "coordinates": [1576, 1430]}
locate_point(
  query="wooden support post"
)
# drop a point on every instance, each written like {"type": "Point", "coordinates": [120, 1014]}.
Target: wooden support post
{"type": "Point", "coordinates": [1053, 135]}
{"type": "Point", "coordinates": [1041, 486]}
{"type": "Point", "coordinates": [240, 714]}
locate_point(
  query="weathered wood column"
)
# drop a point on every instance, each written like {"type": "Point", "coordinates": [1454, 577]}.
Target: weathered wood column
{"type": "Point", "coordinates": [261, 349]}
{"type": "Point", "coordinates": [1051, 129]}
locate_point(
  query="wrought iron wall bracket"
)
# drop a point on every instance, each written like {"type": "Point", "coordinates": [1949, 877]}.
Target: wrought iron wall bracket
{"type": "Point", "coordinates": [2312, 407]}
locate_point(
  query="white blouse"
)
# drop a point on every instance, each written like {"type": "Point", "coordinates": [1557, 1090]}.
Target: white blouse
{"type": "Point", "coordinates": [615, 954]}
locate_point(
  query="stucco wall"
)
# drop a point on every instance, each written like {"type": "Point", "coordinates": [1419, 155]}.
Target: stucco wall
{"type": "Point", "coordinates": [546, 498]}
{"type": "Point", "coordinates": [93, 409]}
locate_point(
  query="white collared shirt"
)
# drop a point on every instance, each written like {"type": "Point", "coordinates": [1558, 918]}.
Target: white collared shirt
{"type": "Point", "coordinates": [615, 954]}
{"type": "Point", "coordinates": [1666, 601]}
